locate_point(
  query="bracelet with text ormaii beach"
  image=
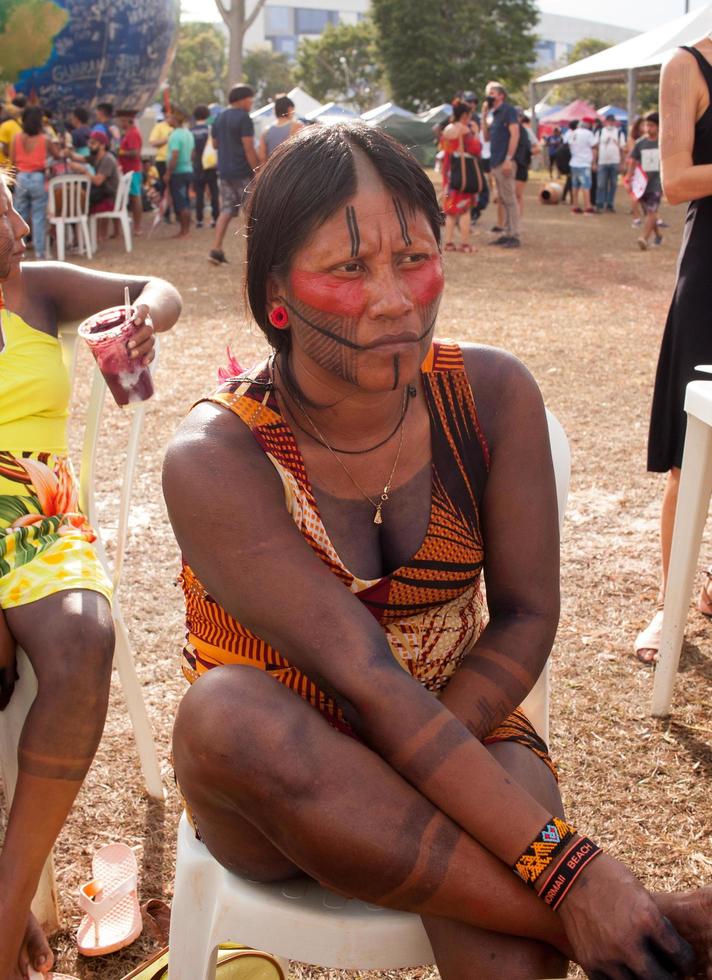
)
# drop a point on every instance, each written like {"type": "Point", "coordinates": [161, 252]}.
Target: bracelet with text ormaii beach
{"type": "Point", "coordinates": [543, 850]}
{"type": "Point", "coordinates": [567, 870]}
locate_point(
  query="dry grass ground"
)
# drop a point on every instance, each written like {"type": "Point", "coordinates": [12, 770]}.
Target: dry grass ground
{"type": "Point", "coordinates": [584, 309]}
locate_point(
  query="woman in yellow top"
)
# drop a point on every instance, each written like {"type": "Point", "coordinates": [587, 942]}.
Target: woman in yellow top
{"type": "Point", "coordinates": [54, 594]}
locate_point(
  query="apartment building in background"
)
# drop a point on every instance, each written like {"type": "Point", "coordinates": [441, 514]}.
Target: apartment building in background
{"type": "Point", "coordinates": [558, 34]}
{"type": "Point", "coordinates": [284, 25]}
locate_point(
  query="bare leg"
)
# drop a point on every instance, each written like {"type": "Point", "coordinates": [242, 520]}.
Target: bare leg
{"type": "Point", "coordinates": [465, 951]}
{"type": "Point", "coordinates": [137, 212]}
{"type": "Point", "coordinates": [650, 225]}
{"type": "Point", "coordinates": [270, 799]}
{"type": "Point", "coordinates": [449, 229]}
{"type": "Point", "coordinates": [667, 522]}
{"type": "Point", "coordinates": [519, 191]}
{"type": "Point", "coordinates": [184, 221]}
{"type": "Point", "coordinates": [224, 220]}
{"type": "Point", "coordinates": [69, 639]}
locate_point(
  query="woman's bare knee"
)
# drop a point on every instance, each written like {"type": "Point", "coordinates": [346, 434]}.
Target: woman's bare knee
{"type": "Point", "coordinates": [237, 729]}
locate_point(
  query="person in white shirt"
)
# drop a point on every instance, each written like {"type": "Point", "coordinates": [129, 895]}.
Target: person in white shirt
{"type": "Point", "coordinates": [610, 144]}
{"type": "Point", "coordinates": [582, 145]}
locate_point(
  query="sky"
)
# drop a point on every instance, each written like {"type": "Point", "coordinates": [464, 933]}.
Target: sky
{"type": "Point", "coordinates": [641, 15]}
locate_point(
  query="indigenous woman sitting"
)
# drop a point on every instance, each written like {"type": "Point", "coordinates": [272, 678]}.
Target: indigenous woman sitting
{"type": "Point", "coordinates": [55, 598]}
{"type": "Point", "coordinates": [354, 714]}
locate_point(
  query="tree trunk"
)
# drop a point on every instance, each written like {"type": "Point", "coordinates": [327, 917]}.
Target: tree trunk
{"type": "Point", "coordinates": [238, 21]}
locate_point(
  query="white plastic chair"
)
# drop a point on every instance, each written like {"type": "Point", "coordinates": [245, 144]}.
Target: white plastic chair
{"type": "Point", "coordinates": [693, 501]}
{"type": "Point", "coordinates": [121, 211]}
{"type": "Point", "coordinates": [13, 717]}
{"type": "Point", "coordinates": [298, 919]}
{"type": "Point", "coordinates": [69, 205]}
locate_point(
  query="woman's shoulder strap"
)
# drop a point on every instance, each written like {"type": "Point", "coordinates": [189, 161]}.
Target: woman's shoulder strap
{"type": "Point", "coordinates": [704, 64]}
{"type": "Point", "coordinates": [444, 355]}
{"type": "Point", "coordinates": [250, 396]}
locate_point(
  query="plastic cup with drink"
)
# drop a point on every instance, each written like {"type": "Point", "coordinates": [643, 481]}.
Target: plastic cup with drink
{"type": "Point", "coordinates": [108, 334]}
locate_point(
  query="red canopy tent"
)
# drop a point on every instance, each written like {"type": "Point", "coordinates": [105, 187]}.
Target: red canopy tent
{"type": "Point", "coordinates": [578, 109]}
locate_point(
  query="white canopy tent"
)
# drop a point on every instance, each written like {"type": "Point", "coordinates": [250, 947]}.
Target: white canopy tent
{"type": "Point", "coordinates": [638, 59]}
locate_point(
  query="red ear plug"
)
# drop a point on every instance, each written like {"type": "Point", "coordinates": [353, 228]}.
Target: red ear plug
{"type": "Point", "coordinates": [279, 317]}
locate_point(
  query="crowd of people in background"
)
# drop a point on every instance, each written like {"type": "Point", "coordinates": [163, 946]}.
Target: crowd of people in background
{"type": "Point", "coordinates": [206, 159]}
{"type": "Point", "coordinates": [487, 156]}
{"type": "Point", "coordinates": [177, 170]}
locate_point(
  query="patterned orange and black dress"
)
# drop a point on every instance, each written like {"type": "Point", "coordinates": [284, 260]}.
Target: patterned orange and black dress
{"type": "Point", "coordinates": [431, 609]}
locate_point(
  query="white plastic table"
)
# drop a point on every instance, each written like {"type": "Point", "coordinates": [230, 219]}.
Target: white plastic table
{"type": "Point", "coordinates": [690, 516]}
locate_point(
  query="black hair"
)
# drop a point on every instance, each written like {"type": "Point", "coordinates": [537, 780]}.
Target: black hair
{"type": "Point", "coordinates": [105, 107]}
{"type": "Point", "coordinates": [201, 112]}
{"type": "Point", "coordinates": [652, 117]}
{"type": "Point", "coordinates": [239, 92]}
{"type": "Point", "coordinates": [282, 105]}
{"type": "Point", "coordinates": [19, 101]}
{"type": "Point", "coordinates": [303, 183]}
{"type": "Point", "coordinates": [32, 120]}
{"type": "Point", "coordinates": [461, 109]}
{"type": "Point", "coordinates": [81, 114]}
{"type": "Point", "coordinates": [573, 124]}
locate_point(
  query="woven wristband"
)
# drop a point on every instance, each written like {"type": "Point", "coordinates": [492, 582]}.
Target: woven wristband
{"type": "Point", "coordinates": [548, 844]}
{"type": "Point", "coordinates": [566, 871]}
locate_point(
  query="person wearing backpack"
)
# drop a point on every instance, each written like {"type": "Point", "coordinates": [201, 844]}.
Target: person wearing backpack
{"type": "Point", "coordinates": [204, 176]}
{"type": "Point", "coordinates": [526, 148]}
{"type": "Point", "coordinates": [462, 175]}
{"type": "Point", "coordinates": [611, 144]}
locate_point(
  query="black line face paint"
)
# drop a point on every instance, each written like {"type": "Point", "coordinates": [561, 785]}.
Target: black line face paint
{"type": "Point", "coordinates": [327, 339]}
{"type": "Point", "coordinates": [330, 340]}
{"type": "Point", "coordinates": [354, 233]}
{"type": "Point", "coordinates": [400, 214]}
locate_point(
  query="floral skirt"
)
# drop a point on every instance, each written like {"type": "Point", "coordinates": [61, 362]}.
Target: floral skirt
{"type": "Point", "coordinates": [46, 544]}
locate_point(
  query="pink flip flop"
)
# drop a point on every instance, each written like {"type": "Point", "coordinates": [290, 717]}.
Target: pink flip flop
{"type": "Point", "coordinates": [112, 917]}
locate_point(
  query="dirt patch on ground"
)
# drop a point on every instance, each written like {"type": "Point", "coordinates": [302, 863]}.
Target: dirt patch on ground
{"type": "Point", "coordinates": [584, 309]}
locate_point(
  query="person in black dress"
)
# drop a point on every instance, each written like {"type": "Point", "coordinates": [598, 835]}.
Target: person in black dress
{"type": "Point", "coordinates": [686, 158]}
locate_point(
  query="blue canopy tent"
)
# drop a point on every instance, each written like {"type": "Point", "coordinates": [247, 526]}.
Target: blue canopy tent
{"type": "Point", "coordinates": [621, 116]}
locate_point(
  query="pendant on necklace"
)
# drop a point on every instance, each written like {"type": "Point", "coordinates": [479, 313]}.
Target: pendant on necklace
{"type": "Point", "coordinates": [377, 519]}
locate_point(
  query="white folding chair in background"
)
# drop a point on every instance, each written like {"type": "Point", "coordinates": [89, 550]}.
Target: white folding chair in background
{"type": "Point", "coordinates": [298, 919]}
{"type": "Point", "coordinates": [693, 501]}
{"type": "Point", "coordinates": [120, 211]}
{"type": "Point", "coordinates": [69, 208]}
{"type": "Point", "coordinates": [13, 717]}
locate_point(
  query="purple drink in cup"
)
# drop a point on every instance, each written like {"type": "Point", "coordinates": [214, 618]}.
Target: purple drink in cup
{"type": "Point", "coordinates": [107, 333]}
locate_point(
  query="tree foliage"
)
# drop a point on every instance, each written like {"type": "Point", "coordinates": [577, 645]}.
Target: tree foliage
{"type": "Point", "coordinates": [268, 72]}
{"type": "Point", "coordinates": [198, 74]}
{"type": "Point", "coordinates": [342, 64]}
{"type": "Point", "coordinates": [600, 93]}
{"type": "Point", "coordinates": [433, 50]}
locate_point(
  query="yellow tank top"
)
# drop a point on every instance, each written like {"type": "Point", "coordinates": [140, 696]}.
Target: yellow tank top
{"type": "Point", "coordinates": [34, 389]}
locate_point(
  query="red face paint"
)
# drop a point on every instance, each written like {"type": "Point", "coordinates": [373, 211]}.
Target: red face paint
{"type": "Point", "coordinates": [426, 282]}
{"type": "Point", "coordinates": [329, 294]}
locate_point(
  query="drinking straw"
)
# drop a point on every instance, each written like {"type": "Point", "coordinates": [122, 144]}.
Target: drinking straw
{"type": "Point", "coordinates": [127, 301]}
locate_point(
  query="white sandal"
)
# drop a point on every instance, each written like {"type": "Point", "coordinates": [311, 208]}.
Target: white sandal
{"type": "Point", "coordinates": [649, 639]}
